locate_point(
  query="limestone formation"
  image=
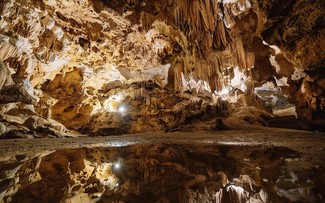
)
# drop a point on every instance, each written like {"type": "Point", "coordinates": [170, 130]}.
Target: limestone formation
{"type": "Point", "coordinates": [164, 63]}
{"type": "Point", "coordinates": [162, 101]}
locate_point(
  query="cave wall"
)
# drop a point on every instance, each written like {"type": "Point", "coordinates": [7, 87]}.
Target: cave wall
{"type": "Point", "coordinates": [297, 27]}
{"type": "Point", "coordinates": [77, 62]}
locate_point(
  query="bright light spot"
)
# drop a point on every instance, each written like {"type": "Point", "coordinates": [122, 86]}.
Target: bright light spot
{"type": "Point", "coordinates": [112, 103]}
{"type": "Point", "coordinates": [117, 166]}
{"type": "Point", "coordinates": [121, 109]}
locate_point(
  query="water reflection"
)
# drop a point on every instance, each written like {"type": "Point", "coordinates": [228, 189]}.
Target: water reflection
{"type": "Point", "coordinates": [154, 173]}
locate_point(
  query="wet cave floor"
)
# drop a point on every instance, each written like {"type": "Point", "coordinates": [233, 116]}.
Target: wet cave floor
{"type": "Point", "coordinates": [265, 165]}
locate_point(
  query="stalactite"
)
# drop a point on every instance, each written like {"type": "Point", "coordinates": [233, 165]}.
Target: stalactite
{"type": "Point", "coordinates": [8, 51]}
{"type": "Point", "coordinates": [240, 54]}
{"type": "Point", "coordinates": [201, 20]}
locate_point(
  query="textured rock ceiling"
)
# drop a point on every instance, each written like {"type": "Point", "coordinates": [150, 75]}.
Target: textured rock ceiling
{"type": "Point", "coordinates": [113, 66]}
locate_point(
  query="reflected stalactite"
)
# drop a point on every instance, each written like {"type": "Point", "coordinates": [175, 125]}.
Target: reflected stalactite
{"type": "Point", "coordinates": [155, 172]}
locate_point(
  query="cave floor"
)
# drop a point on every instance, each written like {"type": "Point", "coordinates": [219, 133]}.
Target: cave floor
{"type": "Point", "coordinates": [287, 164]}
{"type": "Point", "coordinates": [310, 145]}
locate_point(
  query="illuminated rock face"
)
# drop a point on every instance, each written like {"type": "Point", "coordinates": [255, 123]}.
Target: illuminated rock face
{"type": "Point", "coordinates": [78, 62]}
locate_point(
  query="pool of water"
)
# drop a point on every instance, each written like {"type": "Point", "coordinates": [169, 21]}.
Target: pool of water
{"type": "Point", "coordinates": [160, 173]}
